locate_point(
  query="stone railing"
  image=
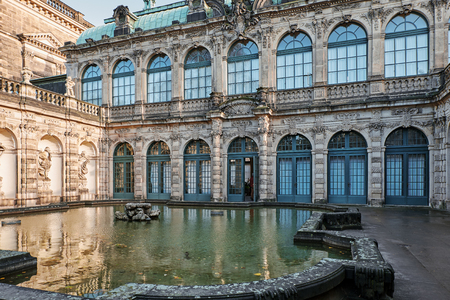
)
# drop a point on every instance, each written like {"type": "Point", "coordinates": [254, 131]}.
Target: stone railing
{"type": "Point", "coordinates": [252, 96]}
{"type": "Point", "coordinates": [350, 90]}
{"type": "Point", "coordinates": [294, 96]}
{"type": "Point", "coordinates": [9, 86]}
{"type": "Point", "coordinates": [157, 109]}
{"type": "Point", "coordinates": [50, 97]}
{"type": "Point", "coordinates": [446, 74]}
{"type": "Point", "coordinates": [123, 112]}
{"type": "Point", "coordinates": [196, 105]}
{"type": "Point", "coordinates": [411, 84]}
{"type": "Point", "coordinates": [87, 108]}
{"type": "Point", "coordinates": [34, 93]}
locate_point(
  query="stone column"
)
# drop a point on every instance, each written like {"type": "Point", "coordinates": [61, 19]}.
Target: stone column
{"type": "Point", "coordinates": [319, 60]}
{"type": "Point", "coordinates": [263, 114]}
{"type": "Point", "coordinates": [375, 165]}
{"type": "Point", "coordinates": [216, 159]}
{"type": "Point", "coordinates": [176, 159]}
{"type": "Point", "coordinates": [138, 169]}
{"type": "Point", "coordinates": [319, 156]}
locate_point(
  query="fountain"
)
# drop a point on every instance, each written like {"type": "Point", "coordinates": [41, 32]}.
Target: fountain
{"type": "Point", "coordinates": [137, 212]}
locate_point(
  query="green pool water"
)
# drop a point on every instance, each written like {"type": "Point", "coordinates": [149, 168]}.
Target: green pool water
{"type": "Point", "coordinates": [85, 251]}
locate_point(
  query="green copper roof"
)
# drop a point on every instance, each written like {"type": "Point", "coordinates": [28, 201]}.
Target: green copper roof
{"type": "Point", "coordinates": [149, 19]}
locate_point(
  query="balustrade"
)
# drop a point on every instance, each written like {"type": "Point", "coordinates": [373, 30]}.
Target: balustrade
{"type": "Point", "coordinates": [408, 84]}
{"type": "Point", "coordinates": [9, 86]}
{"type": "Point", "coordinates": [122, 112]}
{"type": "Point", "coordinates": [349, 90]}
{"type": "Point", "coordinates": [196, 105]}
{"type": "Point", "coordinates": [294, 96]}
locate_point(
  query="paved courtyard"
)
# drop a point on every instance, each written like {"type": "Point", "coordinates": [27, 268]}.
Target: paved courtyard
{"type": "Point", "coordinates": [416, 242]}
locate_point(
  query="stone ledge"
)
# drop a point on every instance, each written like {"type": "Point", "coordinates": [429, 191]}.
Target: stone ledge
{"type": "Point", "coordinates": [14, 261]}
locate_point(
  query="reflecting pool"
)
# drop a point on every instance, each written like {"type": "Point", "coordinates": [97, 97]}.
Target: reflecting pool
{"type": "Point", "coordinates": [83, 251]}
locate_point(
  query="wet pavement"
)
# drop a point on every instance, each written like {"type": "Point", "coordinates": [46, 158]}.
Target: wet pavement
{"type": "Point", "coordinates": [416, 242]}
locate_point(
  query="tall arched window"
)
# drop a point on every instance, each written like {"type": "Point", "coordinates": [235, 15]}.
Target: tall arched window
{"type": "Point", "coordinates": [406, 46]}
{"type": "Point", "coordinates": [243, 68]}
{"type": "Point", "coordinates": [407, 167]}
{"type": "Point", "coordinates": [294, 169]}
{"type": "Point", "coordinates": [197, 74]}
{"type": "Point", "coordinates": [347, 168]}
{"type": "Point", "coordinates": [243, 170]}
{"type": "Point", "coordinates": [92, 85]}
{"type": "Point", "coordinates": [347, 54]}
{"type": "Point", "coordinates": [123, 171]}
{"type": "Point", "coordinates": [159, 171]}
{"type": "Point", "coordinates": [159, 79]}
{"type": "Point", "coordinates": [197, 171]}
{"type": "Point", "coordinates": [123, 83]}
{"type": "Point", "coordinates": [294, 62]}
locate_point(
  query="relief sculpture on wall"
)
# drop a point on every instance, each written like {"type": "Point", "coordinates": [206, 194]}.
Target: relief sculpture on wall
{"type": "Point", "coordinates": [83, 169]}
{"type": "Point", "coordinates": [45, 163]}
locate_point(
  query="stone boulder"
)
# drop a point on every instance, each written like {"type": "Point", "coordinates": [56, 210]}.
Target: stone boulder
{"type": "Point", "coordinates": [137, 212]}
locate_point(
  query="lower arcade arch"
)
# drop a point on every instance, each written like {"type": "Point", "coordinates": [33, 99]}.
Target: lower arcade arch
{"type": "Point", "coordinates": [8, 167]}
{"type": "Point", "coordinates": [123, 162]}
{"type": "Point", "coordinates": [407, 167]}
{"type": "Point", "coordinates": [243, 170]}
{"type": "Point", "coordinates": [294, 169]}
{"type": "Point", "coordinates": [197, 171]}
{"type": "Point", "coordinates": [347, 168]}
{"type": "Point", "coordinates": [158, 171]}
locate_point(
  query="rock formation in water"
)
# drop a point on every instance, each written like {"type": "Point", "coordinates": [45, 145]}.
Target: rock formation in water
{"type": "Point", "coordinates": [137, 212]}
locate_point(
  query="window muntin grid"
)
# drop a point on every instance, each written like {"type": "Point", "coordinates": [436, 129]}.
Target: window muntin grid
{"type": "Point", "coordinates": [357, 175]}
{"type": "Point", "coordinates": [337, 175]}
{"type": "Point", "coordinates": [158, 148]}
{"type": "Point", "coordinates": [347, 140]}
{"type": "Point", "coordinates": [347, 55]}
{"type": "Point", "coordinates": [123, 83]}
{"type": "Point", "coordinates": [235, 176]}
{"type": "Point", "coordinates": [406, 46]}
{"type": "Point", "coordinates": [416, 175]}
{"type": "Point", "coordinates": [204, 177]}
{"type": "Point", "coordinates": [197, 172]}
{"type": "Point", "coordinates": [159, 79]}
{"type": "Point", "coordinates": [197, 147]}
{"type": "Point", "coordinates": [240, 145]}
{"type": "Point", "coordinates": [294, 62]}
{"type": "Point", "coordinates": [285, 175]}
{"type": "Point", "coordinates": [303, 176]}
{"type": "Point", "coordinates": [406, 137]}
{"type": "Point", "coordinates": [190, 177]}
{"type": "Point", "coordinates": [159, 168]}
{"type": "Point", "coordinates": [197, 74]}
{"type": "Point", "coordinates": [243, 68]}
{"type": "Point", "coordinates": [294, 142]}
{"type": "Point", "coordinates": [394, 174]}
{"type": "Point", "coordinates": [124, 149]}
{"type": "Point", "coordinates": [92, 85]}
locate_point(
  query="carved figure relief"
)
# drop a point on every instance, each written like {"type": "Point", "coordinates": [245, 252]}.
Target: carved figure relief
{"type": "Point", "coordinates": [69, 87]}
{"type": "Point", "coordinates": [83, 169]}
{"type": "Point", "coordinates": [241, 18]}
{"type": "Point", "coordinates": [45, 163]}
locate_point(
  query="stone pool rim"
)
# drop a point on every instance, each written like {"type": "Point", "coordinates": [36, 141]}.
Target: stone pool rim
{"type": "Point", "coordinates": [367, 270]}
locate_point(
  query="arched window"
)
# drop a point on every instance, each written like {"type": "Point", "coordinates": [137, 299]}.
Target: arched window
{"type": "Point", "coordinates": [197, 74]}
{"type": "Point", "coordinates": [159, 171]}
{"type": "Point", "coordinates": [294, 62]}
{"type": "Point", "coordinates": [123, 171]}
{"type": "Point", "coordinates": [159, 79]}
{"type": "Point", "coordinates": [243, 68]}
{"type": "Point", "coordinates": [347, 54]}
{"type": "Point", "coordinates": [243, 170]}
{"type": "Point", "coordinates": [407, 167]}
{"type": "Point", "coordinates": [406, 46]}
{"type": "Point", "coordinates": [294, 169]}
{"type": "Point", "coordinates": [92, 85]}
{"type": "Point", "coordinates": [347, 168]}
{"type": "Point", "coordinates": [123, 83]}
{"type": "Point", "coordinates": [197, 171]}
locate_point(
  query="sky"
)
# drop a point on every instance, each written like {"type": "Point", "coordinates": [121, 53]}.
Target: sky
{"type": "Point", "coordinates": [95, 11]}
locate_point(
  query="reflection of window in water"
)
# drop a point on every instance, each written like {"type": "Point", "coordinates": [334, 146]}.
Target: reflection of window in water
{"type": "Point", "coordinates": [192, 214]}
{"type": "Point", "coordinates": [285, 216]}
{"type": "Point", "coordinates": [302, 217]}
{"type": "Point", "coordinates": [233, 172]}
{"type": "Point", "coordinates": [206, 213]}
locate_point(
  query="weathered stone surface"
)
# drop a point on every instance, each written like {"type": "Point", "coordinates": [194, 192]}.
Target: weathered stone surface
{"type": "Point", "coordinates": [14, 261]}
{"type": "Point", "coordinates": [137, 212]}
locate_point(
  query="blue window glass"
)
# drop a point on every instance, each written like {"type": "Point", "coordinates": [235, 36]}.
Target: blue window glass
{"type": "Point", "coordinates": [159, 79]}
{"type": "Point", "coordinates": [406, 46]}
{"type": "Point", "coordinates": [294, 169]}
{"type": "Point", "coordinates": [92, 85]}
{"type": "Point", "coordinates": [347, 54]}
{"type": "Point", "coordinates": [159, 178]}
{"type": "Point", "coordinates": [197, 74]}
{"type": "Point", "coordinates": [123, 83]}
{"type": "Point", "coordinates": [347, 168]}
{"type": "Point", "coordinates": [294, 62]}
{"type": "Point", "coordinates": [407, 167]}
{"type": "Point", "coordinates": [197, 171]}
{"type": "Point", "coordinates": [243, 68]}
{"type": "Point", "coordinates": [123, 171]}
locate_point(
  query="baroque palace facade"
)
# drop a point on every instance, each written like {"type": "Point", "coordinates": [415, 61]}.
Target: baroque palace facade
{"type": "Point", "coordinates": [324, 102]}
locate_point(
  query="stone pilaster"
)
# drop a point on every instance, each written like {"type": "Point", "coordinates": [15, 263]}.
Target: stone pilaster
{"type": "Point", "coordinates": [176, 159]}
{"type": "Point", "coordinates": [375, 158]}
{"type": "Point", "coordinates": [263, 113]}
{"type": "Point", "coordinates": [216, 159]}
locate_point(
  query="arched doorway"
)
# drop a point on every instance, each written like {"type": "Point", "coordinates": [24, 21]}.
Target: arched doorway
{"type": "Point", "coordinates": [347, 168]}
{"type": "Point", "coordinates": [123, 172]}
{"type": "Point", "coordinates": [197, 171]}
{"type": "Point", "coordinates": [407, 167]}
{"type": "Point", "coordinates": [294, 169]}
{"type": "Point", "coordinates": [243, 170]}
{"type": "Point", "coordinates": [158, 171]}
{"type": "Point", "coordinates": [8, 166]}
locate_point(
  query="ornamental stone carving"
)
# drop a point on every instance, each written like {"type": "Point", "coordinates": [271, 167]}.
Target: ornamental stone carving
{"type": "Point", "coordinates": [264, 124]}
{"type": "Point", "coordinates": [45, 163]}
{"type": "Point", "coordinates": [83, 160]}
{"type": "Point", "coordinates": [239, 107]}
{"type": "Point", "coordinates": [241, 17]}
{"type": "Point", "coordinates": [69, 87]}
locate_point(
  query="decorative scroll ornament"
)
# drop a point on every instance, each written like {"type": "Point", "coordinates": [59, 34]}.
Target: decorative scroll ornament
{"type": "Point", "coordinates": [241, 18]}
